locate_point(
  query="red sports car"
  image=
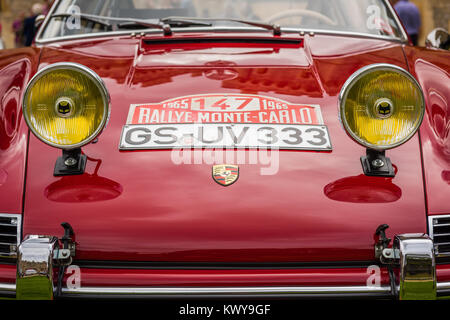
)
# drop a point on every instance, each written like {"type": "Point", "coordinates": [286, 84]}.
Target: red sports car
{"type": "Point", "coordinates": [254, 148]}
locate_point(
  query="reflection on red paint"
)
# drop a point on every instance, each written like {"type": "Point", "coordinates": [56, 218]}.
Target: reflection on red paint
{"type": "Point", "coordinates": [446, 176]}
{"type": "Point", "coordinates": [83, 188]}
{"type": "Point", "coordinates": [3, 176]}
{"type": "Point", "coordinates": [363, 189]}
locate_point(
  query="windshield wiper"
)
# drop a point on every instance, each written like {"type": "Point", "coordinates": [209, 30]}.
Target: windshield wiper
{"type": "Point", "coordinates": [163, 24]}
{"type": "Point", "coordinates": [118, 23]}
{"type": "Point", "coordinates": [167, 23]}
{"type": "Point", "coordinates": [184, 22]}
{"type": "Point", "coordinates": [273, 27]}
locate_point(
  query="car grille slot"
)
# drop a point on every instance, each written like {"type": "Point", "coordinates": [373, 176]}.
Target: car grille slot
{"type": "Point", "coordinates": [9, 235]}
{"type": "Point", "coordinates": [440, 232]}
{"type": "Point", "coordinates": [215, 41]}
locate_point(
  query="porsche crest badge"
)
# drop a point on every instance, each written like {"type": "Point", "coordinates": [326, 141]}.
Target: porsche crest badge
{"type": "Point", "coordinates": [225, 174]}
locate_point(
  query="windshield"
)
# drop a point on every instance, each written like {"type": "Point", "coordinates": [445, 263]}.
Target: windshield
{"type": "Point", "coordinates": [75, 17]}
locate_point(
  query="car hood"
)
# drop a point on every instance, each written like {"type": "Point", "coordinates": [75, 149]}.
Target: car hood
{"type": "Point", "coordinates": [144, 206]}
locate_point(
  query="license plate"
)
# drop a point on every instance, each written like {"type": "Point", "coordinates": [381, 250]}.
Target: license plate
{"type": "Point", "coordinates": [216, 135]}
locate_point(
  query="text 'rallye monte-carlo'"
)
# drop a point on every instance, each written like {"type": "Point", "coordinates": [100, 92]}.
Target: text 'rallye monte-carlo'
{"type": "Point", "coordinates": [168, 148]}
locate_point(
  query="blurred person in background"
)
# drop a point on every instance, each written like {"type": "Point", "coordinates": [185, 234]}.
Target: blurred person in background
{"type": "Point", "coordinates": [47, 6]}
{"type": "Point", "coordinates": [17, 27]}
{"type": "Point", "coordinates": [29, 28]}
{"type": "Point", "coordinates": [410, 16]}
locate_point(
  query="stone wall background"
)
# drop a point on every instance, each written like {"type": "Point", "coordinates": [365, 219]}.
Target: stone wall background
{"type": "Point", "coordinates": [435, 13]}
{"type": "Point", "coordinates": [9, 11]}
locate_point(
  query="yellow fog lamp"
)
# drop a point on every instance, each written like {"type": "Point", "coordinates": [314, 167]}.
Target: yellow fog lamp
{"type": "Point", "coordinates": [381, 107]}
{"type": "Point", "coordinates": [66, 105]}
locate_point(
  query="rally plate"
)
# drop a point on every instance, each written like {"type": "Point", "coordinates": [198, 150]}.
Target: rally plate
{"type": "Point", "coordinates": [225, 121]}
{"type": "Point", "coordinates": [213, 135]}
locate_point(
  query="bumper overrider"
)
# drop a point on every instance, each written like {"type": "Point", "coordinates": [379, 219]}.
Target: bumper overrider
{"type": "Point", "coordinates": [410, 261]}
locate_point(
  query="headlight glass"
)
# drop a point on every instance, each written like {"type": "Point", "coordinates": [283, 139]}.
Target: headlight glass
{"type": "Point", "coordinates": [66, 105]}
{"type": "Point", "coordinates": [381, 106]}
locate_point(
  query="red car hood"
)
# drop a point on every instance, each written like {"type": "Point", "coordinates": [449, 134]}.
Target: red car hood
{"type": "Point", "coordinates": [140, 206]}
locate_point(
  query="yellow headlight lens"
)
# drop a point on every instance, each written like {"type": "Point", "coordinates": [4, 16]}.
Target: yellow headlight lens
{"type": "Point", "coordinates": [66, 105]}
{"type": "Point", "coordinates": [381, 106]}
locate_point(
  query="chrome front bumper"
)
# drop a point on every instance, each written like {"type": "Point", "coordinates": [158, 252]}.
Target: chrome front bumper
{"type": "Point", "coordinates": [341, 291]}
{"type": "Point", "coordinates": [413, 254]}
{"type": "Point", "coordinates": [443, 289]}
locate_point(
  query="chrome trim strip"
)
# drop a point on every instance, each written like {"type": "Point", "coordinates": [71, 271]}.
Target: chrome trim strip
{"type": "Point", "coordinates": [344, 33]}
{"type": "Point", "coordinates": [19, 223]}
{"type": "Point", "coordinates": [7, 287]}
{"type": "Point", "coordinates": [431, 233]}
{"type": "Point", "coordinates": [430, 226]}
{"type": "Point", "coordinates": [46, 20]}
{"type": "Point", "coordinates": [11, 288]}
{"type": "Point", "coordinates": [430, 222]}
{"type": "Point", "coordinates": [216, 30]}
{"type": "Point", "coordinates": [397, 20]}
{"type": "Point", "coordinates": [38, 39]}
{"type": "Point", "coordinates": [443, 286]}
{"type": "Point", "coordinates": [225, 290]}
{"type": "Point", "coordinates": [19, 230]}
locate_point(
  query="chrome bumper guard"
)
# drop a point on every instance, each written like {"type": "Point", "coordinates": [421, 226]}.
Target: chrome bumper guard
{"type": "Point", "coordinates": [412, 253]}
{"type": "Point", "coordinates": [417, 267]}
{"type": "Point", "coordinates": [35, 268]}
